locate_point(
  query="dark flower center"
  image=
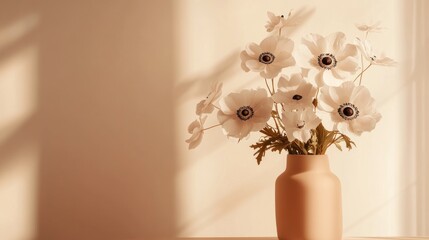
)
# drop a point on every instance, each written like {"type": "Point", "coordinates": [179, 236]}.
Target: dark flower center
{"type": "Point", "coordinates": [266, 58]}
{"type": "Point", "coordinates": [297, 97]}
{"type": "Point", "coordinates": [327, 61]}
{"type": "Point", "coordinates": [245, 113]}
{"type": "Point", "coordinates": [300, 124]}
{"type": "Point", "coordinates": [348, 111]}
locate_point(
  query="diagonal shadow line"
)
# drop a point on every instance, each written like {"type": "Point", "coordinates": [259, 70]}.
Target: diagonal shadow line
{"type": "Point", "coordinates": [26, 133]}
{"type": "Point", "coordinates": [201, 83]}
{"type": "Point", "coordinates": [402, 88]}
{"type": "Point", "coordinates": [226, 67]}
{"type": "Point", "coordinates": [298, 18]}
{"type": "Point", "coordinates": [11, 10]}
{"type": "Point", "coordinates": [224, 205]}
{"type": "Point", "coordinates": [10, 49]}
{"type": "Point", "coordinates": [378, 208]}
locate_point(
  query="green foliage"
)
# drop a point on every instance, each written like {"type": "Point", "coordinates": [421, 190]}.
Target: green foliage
{"type": "Point", "coordinates": [320, 141]}
{"type": "Point", "coordinates": [272, 140]}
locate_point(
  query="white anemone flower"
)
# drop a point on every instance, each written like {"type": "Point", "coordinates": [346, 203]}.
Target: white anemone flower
{"type": "Point", "coordinates": [269, 57]}
{"type": "Point", "coordinates": [298, 124]}
{"type": "Point", "coordinates": [366, 50]}
{"type": "Point", "coordinates": [375, 27]}
{"type": "Point", "coordinates": [277, 22]}
{"type": "Point", "coordinates": [206, 105]}
{"type": "Point", "coordinates": [244, 112]}
{"type": "Point", "coordinates": [294, 92]}
{"type": "Point", "coordinates": [351, 108]}
{"type": "Point", "coordinates": [196, 128]}
{"type": "Point", "coordinates": [331, 56]}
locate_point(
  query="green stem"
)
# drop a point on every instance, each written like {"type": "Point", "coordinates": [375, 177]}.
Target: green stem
{"type": "Point", "coordinates": [362, 73]}
{"type": "Point", "coordinates": [272, 85]}
{"type": "Point", "coordinates": [268, 87]}
{"type": "Point", "coordinates": [217, 125]}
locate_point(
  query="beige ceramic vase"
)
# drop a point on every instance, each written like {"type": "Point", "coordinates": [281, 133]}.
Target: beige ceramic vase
{"type": "Point", "coordinates": [308, 200]}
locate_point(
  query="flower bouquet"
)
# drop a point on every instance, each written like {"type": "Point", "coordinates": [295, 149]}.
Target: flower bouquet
{"type": "Point", "coordinates": [319, 102]}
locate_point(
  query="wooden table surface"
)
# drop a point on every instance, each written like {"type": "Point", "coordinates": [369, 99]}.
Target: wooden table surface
{"type": "Point", "coordinates": [274, 238]}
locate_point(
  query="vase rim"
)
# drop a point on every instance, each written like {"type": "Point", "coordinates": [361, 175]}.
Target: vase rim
{"type": "Point", "coordinates": [306, 156]}
{"type": "Point", "coordinates": [306, 162]}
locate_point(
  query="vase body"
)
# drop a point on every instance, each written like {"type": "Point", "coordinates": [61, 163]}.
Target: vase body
{"type": "Point", "coordinates": [308, 200]}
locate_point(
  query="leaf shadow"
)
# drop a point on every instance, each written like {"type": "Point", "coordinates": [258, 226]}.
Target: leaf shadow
{"type": "Point", "coordinates": [200, 84]}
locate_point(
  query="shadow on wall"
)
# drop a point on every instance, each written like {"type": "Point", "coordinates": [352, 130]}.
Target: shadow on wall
{"type": "Point", "coordinates": [18, 26]}
{"type": "Point", "coordinates": [223, 70]}
{"type": "Point", "coordinates": [107, 163]}
{"type": "Point", "coordinates": [103, 120]}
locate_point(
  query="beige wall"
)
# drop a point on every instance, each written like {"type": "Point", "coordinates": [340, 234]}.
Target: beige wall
{"type": "Point", "coordinates": [87, 124]}
{"type": "Point", "coordinates": [221, 189]}
{"type": "Point", "coordinates": [95, 98]}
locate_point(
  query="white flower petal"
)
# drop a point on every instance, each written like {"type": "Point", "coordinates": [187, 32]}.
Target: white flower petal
{"type": "Point", "coordinates": [253, 49]}
{"type": "Point", "coordinates": [193, 125]}
{"type": "Point", "coordinates": [229, 105]}
{"type": "Point", "coordinates": [196, 141]}
{"type": "Point", "coordinates": [245, 130]}
{"type": "Point", "coordinates": [271, 16]}
{"type": "Point", "coordinates": [294, 86]}
{"type": "Point", "coordinates": [283, 81]}
{"type": "Point", "coordinates": [315, 43]}
{"type": "Point", "coordinates": [299, 123]}
{"type": "Point", "coordinates": [343, 127]}
{"type": "Point", "coordinates": [335, 42]}
{"type": "Point", "coordinates": [236, 125]}
{"type": "Point", "coordinates": [360, 96]}
{"type": "Point", "coordinates": [284, 45]}
{"type": "Point", "coordinates": [232, 127]}
{"type": "Point", "coordinates": [364, 48]}
{"type": "Point", "coordinates": [270, 72]}
{"type": "Point", "coordinates": [344, 91]}
{"type": "Point", "coordinates": [280, 97]}
{"type": "Point", "coordinates": [255, 65]}
{"type": "Point", "coordinates": [280, 48]}
{"type": "Point", "coordinates": [244, 58]}
{"type": "Point", "coordinates": [384, 61]}
{"type": "Point", "coordinates": [349, 64]}
{"type": "Point", "coordinates": [375, 27]}
{"type": "Point", "coordinates": [349, 50]}
{"type": "Point", "coordinates": [329, 125]}
{"type": "Point", "coordinates": [319, 79]}
{"type": "Point", "coordinates": [303, 136]}
{"type": "Point", "coordinates": [277, 22]}
{"type": "Point", "coordinates": [202, 108]}
{"type": "Point", "coordinates": [284, 63]}
{"type": "Point", "coordinates": [296, 80]}
{"type": "Point", "coordinates": [364, 116]}
{"type": "Point", "coordinates": [363, 124]}
{"type": "Point", "coordinates": [269, 44]}
{"type": "Point", "coordinates": [282, 56]}
{"type": "Point", "coordinates": [344, 57]}
{"type": "Point", "coordinates": [206, 105]}
{"type": "Point", "coordinates": [197, 130]}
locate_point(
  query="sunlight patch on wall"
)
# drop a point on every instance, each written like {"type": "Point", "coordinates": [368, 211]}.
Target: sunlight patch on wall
{"type": "Point", "coordinates": [19, 148]}
{"type": "Point", "coordinates": [378, 176]}
{"type": "Point", "coordinates": [17, 30]}
{"type": "Point", "coordinates": [18, 88]}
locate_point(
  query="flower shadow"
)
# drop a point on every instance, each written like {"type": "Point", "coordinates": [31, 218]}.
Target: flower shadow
{"type": "Point", "coordinates": [229, 202]}
{"type": "Point", "coordinates": [200, 85]}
